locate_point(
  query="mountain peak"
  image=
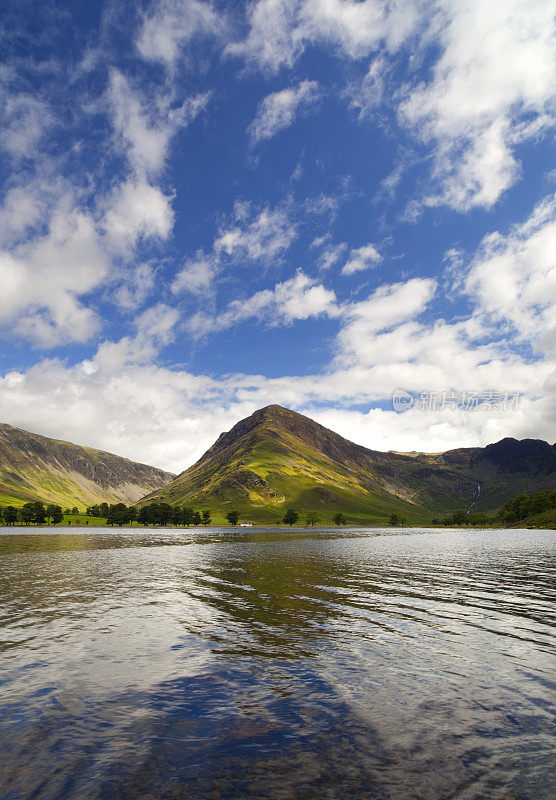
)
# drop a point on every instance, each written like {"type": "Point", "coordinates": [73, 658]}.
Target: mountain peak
{"type": "Point", "coordinates": [260, 418]}
{"type": "Point", "coordinates": [277, 458]}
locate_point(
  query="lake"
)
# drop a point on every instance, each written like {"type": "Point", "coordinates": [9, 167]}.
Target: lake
{"type": "Point", "coordinates": [200, 664]}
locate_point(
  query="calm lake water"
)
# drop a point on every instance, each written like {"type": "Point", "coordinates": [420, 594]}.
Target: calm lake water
{"type": "Point", "coordinates": [273, 664]}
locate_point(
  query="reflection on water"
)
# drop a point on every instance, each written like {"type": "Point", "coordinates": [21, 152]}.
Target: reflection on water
{"type": "Point", "coordinates": [266, 664]}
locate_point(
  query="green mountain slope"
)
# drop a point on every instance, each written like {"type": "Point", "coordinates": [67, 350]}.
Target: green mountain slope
{"type": "Point", "coordinates": [277, 458]}
{"type": "Point", "coordinates": [33, 467]}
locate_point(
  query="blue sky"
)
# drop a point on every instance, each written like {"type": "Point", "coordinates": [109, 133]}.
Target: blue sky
{"type": "Point", "coordinates": [209, 207]}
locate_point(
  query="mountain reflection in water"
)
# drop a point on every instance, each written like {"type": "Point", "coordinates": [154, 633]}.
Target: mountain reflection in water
{"type": "Point", "coordinates": [272, 664]}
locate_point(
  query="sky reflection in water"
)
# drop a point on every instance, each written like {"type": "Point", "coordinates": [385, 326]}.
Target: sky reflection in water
{"type": "Point", "coordinates": [339, 664]}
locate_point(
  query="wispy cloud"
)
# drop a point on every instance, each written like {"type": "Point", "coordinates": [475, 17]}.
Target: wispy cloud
{"type": "Point", "coordinates": [256, 236]}
{"type": "Point", "coordinates": [277, 111]}
{"type": "Point", "coordinates": [168, 26]}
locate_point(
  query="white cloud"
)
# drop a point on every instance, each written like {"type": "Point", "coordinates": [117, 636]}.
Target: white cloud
{"type": "Point", "coordinates": [295, 299]}
{"type": "Point", "coordinates": [27, 205]}
{"type": "Point", "coordinates": [369, 93]}
{"type": "Point", "coordinates": [263, 238]}
{"type": "Point", "coordinates": [168, 417]}
{"type": "Point", "coordinates": [280, 30]}
{"type": "Point", "coordinates": [24, 121]}
{"type": "Point", "coordinates": [253, 236]}
{"type": "Point", "coordinates": [155, 329]}
{"type": "Point", "coordinates": [385, 309]}
{"type": "Point", "coordinates": [196, 275]}
{"type": "Point", "coordinates": [43, 279]}
{"type": "Point", "coordinates": [331, 254]}
{"type": "Point", "coordinates": [513, 278]}
{"type": "Point", "coordinates": [362, 258]}
{"type": "Point", "coordinates": [147, 126]}
{"type": "Point", "coordinates": [136, 287]}
{"type": "Point", "coordinates": [495, 71]}
{"type": "Point", "coordinates": [172, 24]}
{"type": "Point", "coordinates": [278, 110]}
{"type": "Point", "coordinates": [136, 210]}
{"type": "Point", "coordinates": [491, 85]}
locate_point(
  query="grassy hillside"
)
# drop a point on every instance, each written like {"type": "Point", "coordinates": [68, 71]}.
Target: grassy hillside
{"type": "Point", "coordinates": [34, 467]}
{"type": "Point", "coordinates": [277, 459]}
{"type": "Point", "coordinates": [546, 519]}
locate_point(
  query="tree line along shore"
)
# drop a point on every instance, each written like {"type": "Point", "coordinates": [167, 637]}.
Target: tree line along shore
{"type": "Point", "coordinates": [513, 511]}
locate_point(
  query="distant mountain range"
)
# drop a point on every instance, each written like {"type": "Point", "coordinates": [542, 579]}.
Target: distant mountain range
{"type": "Point", "coordinates": [277, 458]}
{"type": "Point", "coordinates": [33, 467]}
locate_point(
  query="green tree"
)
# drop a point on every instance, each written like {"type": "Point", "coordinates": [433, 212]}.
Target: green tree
{"type": "Point", "coordinates": [177, 516]}
{"type": "Point", "coordinates": [39, 513]}
{"type": "Point", "coordinates": [118, 514]}
{"type": "Point", "coordinates": [75, 511]}
{"type": "Point", "coordinates": [312, 518]}
{"type": "Point", "coordinates": [54, 513]}
{"type": "Point", "coordinates": [164, 513]}
{"type": "Point", "coordinates": [232, 517]}
{"type": "Point", "coordinates": [145, 515]}
{"type": "Point", "coordinates": [206, 518]}
{"type": "Point", "coordinates": [27, 513]}
{"type": "Point", "coordinates": [197, 519]}
{"type": "Point", "coordinates": [397, 519]}
{"type": "Point", "coordinates": [339, 519]}
{"type": "Point", "coordinates": [10, 515]}
{"type": "Point", "coordinates": [459, 518]}
{"type": "Point", "coordinates": [290, 517]}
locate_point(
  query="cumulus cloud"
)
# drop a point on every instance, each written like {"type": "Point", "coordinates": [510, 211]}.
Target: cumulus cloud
{"type": "Point", "coordinates": [154, 330]}
{"type": "Point", "coordinates": [69, 257]}
{"type": "Point", "coordinates": [361, 258]}
{"type": "Point", "coordinates": [513, 278]}
{"type": "Point", "coordinates": [297, 298]}
{"type": "Point", "coordinates": [390, 339]}
{"type": "Point", "coordinates": [496, 71]}
{"type": "Point", "coordinates": [487, 89]}
{"type": "Point", "coordinates": [278, 110]}
{"type": "Point", "coordinates": [169, 416]}
{"type": "Point", "coordinates": [136, 209]}
{"type": "Point", "coordinates": [385, 309]}
{"type": "Point", "coordinates": [196, 275]}
{"type": "Point", "coordinates": [491, 84]}
{"type": "Point", "coordinates": [136, 288]}
{"type": "Point", "coordinates": [67, 233]}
